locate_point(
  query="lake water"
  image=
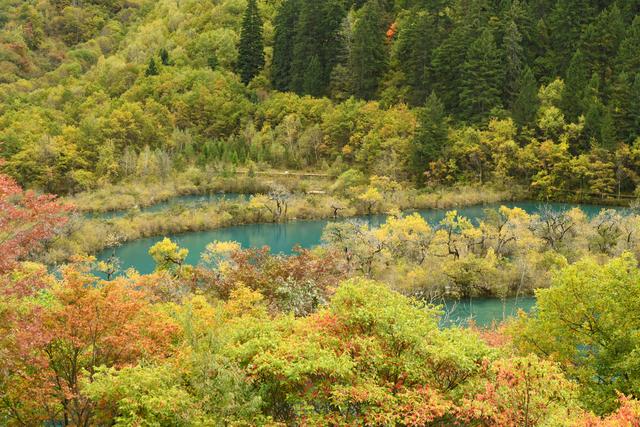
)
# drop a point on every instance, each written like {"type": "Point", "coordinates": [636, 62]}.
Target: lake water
{"type": "Point", "coordinates": [484, 311]}
{"type": "Point", "coordinates": [282, 238]}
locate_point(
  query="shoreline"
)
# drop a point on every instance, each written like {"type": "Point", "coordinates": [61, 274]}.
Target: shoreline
{"type": "Point", "coordinates": [93, 235]}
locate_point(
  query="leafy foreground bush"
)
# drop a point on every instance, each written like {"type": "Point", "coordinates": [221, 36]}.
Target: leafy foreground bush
{"type": "Point", "coordinates": [256, 339]}
{"type": "Point", "coordinates": [586, 321]}
{"type": "Point", "coordinates": [84, 351]}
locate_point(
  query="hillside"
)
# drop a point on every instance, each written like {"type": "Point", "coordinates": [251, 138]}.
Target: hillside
{"type": "Point", "coordinates": [538, 93]}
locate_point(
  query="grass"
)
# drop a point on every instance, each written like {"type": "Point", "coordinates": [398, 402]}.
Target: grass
{"type": "Point", "coordinates": [131, 194]}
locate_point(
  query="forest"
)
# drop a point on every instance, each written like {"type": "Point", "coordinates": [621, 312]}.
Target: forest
{"type": "Point", "coordinates": [376, 123]}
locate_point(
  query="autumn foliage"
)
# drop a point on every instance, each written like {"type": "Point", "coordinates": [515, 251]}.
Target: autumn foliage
{"type": "Point", "coordinates": [299, 283]}
{"type": "Point", "coordinates": [27, 220]}
{"type": "Point", "coordinates": [58, 340]}
{"type": "Point", "coordinates": [252, 338]}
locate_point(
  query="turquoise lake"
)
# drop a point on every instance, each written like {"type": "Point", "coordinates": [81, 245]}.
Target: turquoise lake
{"type": "Point", "coordinates": [282, 238]}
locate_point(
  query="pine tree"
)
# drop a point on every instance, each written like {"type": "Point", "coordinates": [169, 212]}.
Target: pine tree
{"type": "Point", "coordinates": [595, 113]}
{"type": "Point", "coordinates": [413, 50]}
{"type": "Point", "coordinates": [313, 79]}
{"type": "Point", "coordinates": [628, 59]}
{"type": "Point", "coordinates": [449, 58]}
{"type": "Point", "coordinates": [251, 48]}
{"type": "Point", "coordinates": [341, 81]}
{"type": "Point", "coordinates": [526, 103]}
{"type": "Point", "coordinates": [514, 61]}
{"type": "Point", "coordinates": [152, 68]}
{"type": "Point", "coordinates": [368, 51]}
{"type": "Point", "coordinates": [317, 33]}
{"type": "Point", "coordinates": [482, 79]}
{"type": "Point", "coordinates": [607, 130]}
{"type": "Point", "coordinates": [621, 107]}
{"type": "Point", "coordinates": [566, 20]}
{"type": "Point", "coordinates": [574, 88]}
{"type": "Point", "coordinates": [285, 25]}
{"type": "Point", "coordinates": [601, 40]}
{"type": "Point", "coordinates": [635, 107]}
{"type": "Point", "coordinates": [164, 56]}
{"type": "Point", "coordinates": [431, 135]}
{"type": "Point", "coordinates": [447, 65]}
{"type": "Point", "coordinates": [520, 13]}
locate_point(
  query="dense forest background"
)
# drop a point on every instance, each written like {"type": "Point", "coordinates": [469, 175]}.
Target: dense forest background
{"type": "Point", "coordinates": [541, 93]}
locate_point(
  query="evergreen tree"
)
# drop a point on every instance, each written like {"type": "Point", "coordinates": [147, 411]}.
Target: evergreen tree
{"type": "Point", "coordinates": [635, 108]}
{"type": "Point", "coordinates": [431, 135]}
{"type": "Point", "coordinates": [633, 111]}
{"type": "Point", "coordinates": [482, 79]}
{"type": "Point", "coordinates": [566, 21]}
{"type": "Point", "coordinates": [526, 104]}
{"type": "Point", "coordinates": [621, 107]}
{"type": "Point", "coordinates": [341, 80]}
{"type": "Point", "coordinates": [164, 56]}
{"type": "Point", "coordinates": [574, 88]}
{"type": "Point", "coordinates": [520, 13]}
{"type": "Point", "coordinates": [251, 48]}
{"type": "Point", "coordinates": [368, 51]}
{"type": "Point", "coordinates": [317, 33]}
{"type": "Point", "coordinates": [601, 40]}
{"type": "Point", "coordinates": [595, 114]}
{"type": "Point", "coordinates": [212, 61]}
{"type": "Point", "coordinates": [313, 83]}
{"type": "Point", "coordinates": [628, 59]}
{"type": "Point", "coordinates": [152, 68]}
{"type": "Point", "coordinates": [417, 39]}
{"type": "Point", "coordinates": [285, 25]}
{"type": "Point", "coordinates": [450, 56]}
{"type": "Point", "coordinates": [607, 130]}
{"type": "Point", "coordinates": [630, 9]}
{"type": "Point", "coordinates": [447, 64]}
{"type": "Point", "coordinates": [514, 61]}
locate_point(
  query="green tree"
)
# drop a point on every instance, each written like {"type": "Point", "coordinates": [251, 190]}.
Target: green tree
{"type": "Point", "coordinates": [525, 105]}
{"type": "Point", "coordinates": [317, 46]}
{"type": "Point", "coordinates": [164, 56]}
{"type": "Point", "coordinates": [583, 321]}
{"type": "Point", "coordinates": [285, 25]}
{"type": "Point", "coordinates": [212, 61]}
{"type": "Point", "coordinates": [514, 61]}
{"type": "Point", "coordinates": [482, 79]}
{"type": "Point", "coordinates": [368, 51]}
{"type": "Point", "coordinates": [600, 42]}
{"type": "Point", "coordinates": [573, 94]}
{"type": "Point", "coordinates": [412, 52]}
{"type": "Point", "coordinates": [448, 63]}
{"type": "Point", "coordinates": [251, 48]}
{"type": "Point", "coordinates": [431, 135]}
{"type": "Point", "coordinates": [313, 83]}
{"type": "Point", "coordinates": [565, 20]}
{"type": "Point", "coordinates": [622, 109]}
{"type": "Point", "coordinates": [628, 59]}
{"type": "Point", "coordinates": [152, 68]}
{"type": "Point", "coordinates": [598, 125]}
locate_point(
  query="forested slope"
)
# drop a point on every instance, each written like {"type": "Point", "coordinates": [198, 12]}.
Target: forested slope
{"type": "Point", "coordinates": [542, 93]}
